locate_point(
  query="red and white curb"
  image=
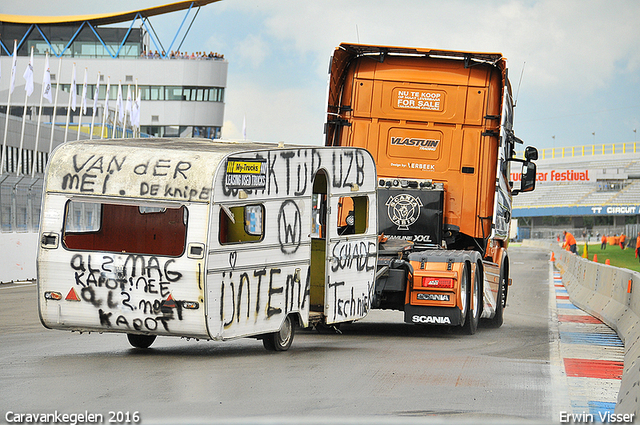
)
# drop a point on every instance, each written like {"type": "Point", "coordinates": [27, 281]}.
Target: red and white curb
{"type": "Point", "coordinates": [587, 360]}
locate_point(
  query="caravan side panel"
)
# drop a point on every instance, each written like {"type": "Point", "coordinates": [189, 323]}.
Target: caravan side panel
{"type": "Point", "coordinates": [123, 234]}
{"type": "Point", "coordinates": [254, 283]}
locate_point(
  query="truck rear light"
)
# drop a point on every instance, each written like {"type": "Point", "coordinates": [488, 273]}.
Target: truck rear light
{"type": "Point", "coordinates": [437, 282]}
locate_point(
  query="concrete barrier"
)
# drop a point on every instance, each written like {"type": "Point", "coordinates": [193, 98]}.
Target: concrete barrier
{"type": "Point", "coordinates": [18, 259]}
{"type": "Point", "coordinates": [612, 295]}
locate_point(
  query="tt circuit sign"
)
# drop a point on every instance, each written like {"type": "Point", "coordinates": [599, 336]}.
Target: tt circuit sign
{"type": "Point", "coordinates": [577, 210]}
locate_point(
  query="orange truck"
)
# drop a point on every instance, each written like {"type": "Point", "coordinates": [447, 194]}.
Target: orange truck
{"type": "Point", "coordinates": [439, 125]}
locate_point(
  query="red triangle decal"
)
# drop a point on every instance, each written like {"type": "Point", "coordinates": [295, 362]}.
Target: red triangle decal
{"type": "Point", "coordinates": [169, 302]}
{"type": "Point", "coordinates": [72, 295]}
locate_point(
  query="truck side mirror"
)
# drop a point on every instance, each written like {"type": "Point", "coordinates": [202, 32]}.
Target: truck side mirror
{"type": "Point", "coordinates": [531, 153]}
{"type": "Point", "coordinates": [528, 180]}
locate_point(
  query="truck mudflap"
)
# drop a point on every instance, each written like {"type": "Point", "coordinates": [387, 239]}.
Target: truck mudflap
{"type": "Point", "coordinates": [491, 289]}
{"type": "Point", "coordinates": [429, 315]}
{"type": "Point", "coordinates": [447, 265]}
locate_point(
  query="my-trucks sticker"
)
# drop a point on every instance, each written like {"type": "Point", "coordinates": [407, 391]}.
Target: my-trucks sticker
{"type": "Point", "coordinates": [422, 100]}
{"type": "Point", "coordinates": [246, 173]}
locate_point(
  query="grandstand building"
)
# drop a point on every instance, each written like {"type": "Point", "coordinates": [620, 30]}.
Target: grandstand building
{"type": "Point", "coordinates": [586, 190]}
{"type": "Point", "coordinates": [180, 96]}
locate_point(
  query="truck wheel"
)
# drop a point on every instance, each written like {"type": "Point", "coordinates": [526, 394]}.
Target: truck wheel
{"type": "Point", "coordinates": [281, 340]}
{"type": "Point", "coordinates": [473, 308]}
{"type": "Point", "coordinates": [141, 341]}
{"type": "Point", "coordinates": [497, 320]}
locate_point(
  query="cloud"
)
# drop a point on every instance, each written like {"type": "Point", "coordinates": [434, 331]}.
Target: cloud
{"type": "Point", "coordinates": [577, 44]}
{"type": "Point", "coordinates": [294, 115]}
{"type": "Point", "coordinates": [580, 57]}
{"type": "Point", "coordinates": [252, 50]}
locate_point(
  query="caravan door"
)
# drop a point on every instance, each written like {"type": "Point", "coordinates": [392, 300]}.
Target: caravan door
{"type": "Point", "coordinates": [351, 238]}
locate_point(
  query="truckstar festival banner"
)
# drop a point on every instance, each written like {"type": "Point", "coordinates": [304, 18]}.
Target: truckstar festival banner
{"type": "Point", "coordinates": [558, 176]}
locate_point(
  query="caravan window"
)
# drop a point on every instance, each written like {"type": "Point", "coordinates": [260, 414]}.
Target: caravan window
{"type": "Point", "coordinates": [241, 224]}
{"type": "Point", "coordinates": [132, 229]}
{"type": "Point", "coordinates": [353, 215]}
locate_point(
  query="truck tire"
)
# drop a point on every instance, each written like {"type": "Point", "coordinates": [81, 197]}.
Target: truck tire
{"type": "Point", "coordinates": [281, 340]}
{"type": "Point", "coordinates": [141, 341]}
{"type": "Point", "coordinates": [473, 294]}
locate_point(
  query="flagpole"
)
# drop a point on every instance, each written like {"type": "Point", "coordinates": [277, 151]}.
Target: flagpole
{"type": "Point", "coordinates": [55, 106]}
{"type": "Point", "coordinates": [6, 123]}
{"type": "Point", "coordinates": [115, 118]}
{"type": "Point", "coordinates": [136, 130]}
{"type": "Point", "coordinates": [105, 110]}
{"type": "Point", "coordinates": [24, 117]}
{"type": "Point", "coordinates": [138, 113]}
{"type": "Point", "coordinates": [95, 106]}
{"type": "Point", "coordinates": [71, 95]}
{"type": "Point", "coordinates": [35, 148]}
{"type": "Point", "coordinates": [83, 107]}
{"type": "Point", "coordinates": [127, 109]}
{"type": "Point", "coordinates": [24, 111]}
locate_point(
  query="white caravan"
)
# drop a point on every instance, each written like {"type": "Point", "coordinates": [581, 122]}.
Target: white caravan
{"type": "Point", "coordinates": [206, 239]}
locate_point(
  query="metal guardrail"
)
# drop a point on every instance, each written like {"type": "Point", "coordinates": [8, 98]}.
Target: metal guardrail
{"type": "Point", "coordinates": [586, 150]}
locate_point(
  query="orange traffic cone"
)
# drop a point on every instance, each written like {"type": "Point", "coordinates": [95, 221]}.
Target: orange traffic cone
{"type": "Point", "coordinates": [595, 258]}
{"type": "Point", "coordinates": [607, 262]}
{"type": "Point", "coordinates": [553, 257]}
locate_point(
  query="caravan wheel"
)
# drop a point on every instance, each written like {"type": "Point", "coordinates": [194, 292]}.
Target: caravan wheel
{"type": "Point", "coordinates": [281, 340]}
{"type": "Point", "coordinates": [141, 341]}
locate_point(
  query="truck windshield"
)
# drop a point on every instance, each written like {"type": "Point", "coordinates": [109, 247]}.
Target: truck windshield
{"type": "Point", "coordinates": [135, 229]}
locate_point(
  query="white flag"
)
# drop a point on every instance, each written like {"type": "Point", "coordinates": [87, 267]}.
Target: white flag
{"type": "Point", "coordinates": [83, 105]}
{"type": "Point", "coordinates": [95, 97]}
{"type": "Point", "coordinates": [106, 99]}
{"type": "Point", "coordinates": [127, 106]}
{"type": "Point", "coordinates": [28, 76]}
{"type": "Point", "coordinates": [244, 127]}
{"type": "Point", "coordinates": [135, 114]}
{"type": "Point", "coordinates": [73, 89]}
{"type": "Point", "coordinates": [119, 104]}
{"type": "Point", "coordinates": [14, 64]}
{"type": "Point", "coordinates": [46, 82]}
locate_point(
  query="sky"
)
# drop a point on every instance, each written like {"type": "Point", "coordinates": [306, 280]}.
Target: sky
{"type": "Point", "coordinates": [574, 65]}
